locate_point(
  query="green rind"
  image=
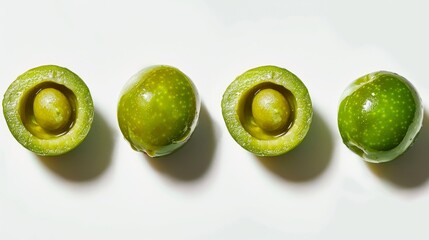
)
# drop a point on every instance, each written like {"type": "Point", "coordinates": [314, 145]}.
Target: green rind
{"type": "Point", "coordinates": [141, 121]}
{"type": "Point", "coordinates": [84, 110]}
{"type": "Point", "coordinates": [303, 111]}
{"type": "Point", "coordinates": [374, 155]}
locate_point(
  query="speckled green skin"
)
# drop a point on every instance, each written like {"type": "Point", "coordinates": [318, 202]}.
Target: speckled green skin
{"type": "Point", "coordinates": [50, 144]}
{"type": "Point", "coordinates": [158, 110]}
{"type": "Point", "coordinates": [379, 116]}
{"type": "Point", "coordinates": [238, 90]}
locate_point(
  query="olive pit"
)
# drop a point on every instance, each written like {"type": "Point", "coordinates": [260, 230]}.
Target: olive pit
{"type": "Point", "coordinates": [48, 110]}
{"type": "Point", "coordinates": [52, 110]}
{"type": "Point", "coordinates": [266, 111]}
{"type": "Point", "coordinates": [270, 110]}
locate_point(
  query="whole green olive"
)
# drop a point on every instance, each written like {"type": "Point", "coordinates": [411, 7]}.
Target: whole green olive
{"type": "Point", "coordinates": [379, 116]}
{"type": "Point", "coordinates": [158, 110]}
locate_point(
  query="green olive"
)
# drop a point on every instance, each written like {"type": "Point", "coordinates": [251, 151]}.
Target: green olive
{"type": "Point", "coordinates": [158, 110]}
{"type": "Point", "coordinates": [49, 110]}
{"type": "Point", "coordinates": [380, 115]}
{"type": "Point", "coordinates": [267, 110]}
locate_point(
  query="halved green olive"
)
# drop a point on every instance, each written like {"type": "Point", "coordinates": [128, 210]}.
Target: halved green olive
{"type": "Point", "coordinates": [49, 110]}
{"type": "Point", "coordinates": [267, 110]}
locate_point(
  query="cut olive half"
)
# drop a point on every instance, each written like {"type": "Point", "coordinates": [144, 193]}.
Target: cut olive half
{"type": "Point", "coordinates": [379, 116]}
{"type": "Point", "coordinates": [158, 110]}
{"type": "Point", "coordinates": [267, 110]}
{"type": "Point", "coordinates": [49, 110]}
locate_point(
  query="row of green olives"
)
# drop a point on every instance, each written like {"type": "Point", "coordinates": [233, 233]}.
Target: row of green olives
{"type": "Point", "coordinates": [267, 110]}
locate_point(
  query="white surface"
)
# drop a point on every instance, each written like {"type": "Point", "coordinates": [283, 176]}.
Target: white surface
{"type": "Point", "coordinates": [212, 188]}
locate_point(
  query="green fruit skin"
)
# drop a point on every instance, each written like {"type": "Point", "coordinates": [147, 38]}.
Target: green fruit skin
{"type": "Point", "coordinates": [379, 116]}
{"type": "Point", "coordinates": [299, 101]}
{"type": "Point", "coordinates": [158, 110]}
{"type": "Point", "coordinates": [49, 144]}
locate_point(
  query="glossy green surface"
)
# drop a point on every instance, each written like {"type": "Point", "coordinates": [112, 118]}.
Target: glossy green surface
{"type": "Point", "coordinates": [49, 110]}
{"type": "Point", "coordinates": [379, 116]}
{"type": "Point", "coordinates": [267, 110]}
{"type": "Point", "coordinates": [158, 110]}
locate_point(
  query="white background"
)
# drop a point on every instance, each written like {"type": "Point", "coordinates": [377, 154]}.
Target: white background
{"type": "Point", "coordinates": [212, 188]}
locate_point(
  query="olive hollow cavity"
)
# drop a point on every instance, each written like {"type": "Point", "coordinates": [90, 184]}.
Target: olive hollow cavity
{"type": "Point", "coordinates": [267, 110]}
{"type": "Point", "coordinates": [48, 110]}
